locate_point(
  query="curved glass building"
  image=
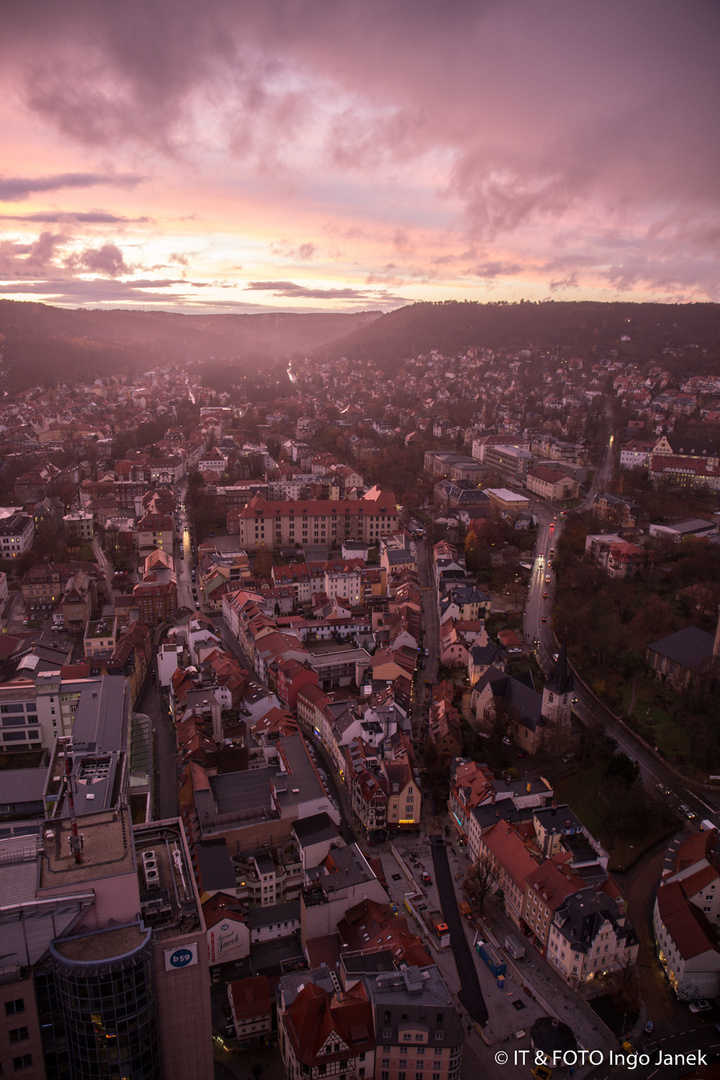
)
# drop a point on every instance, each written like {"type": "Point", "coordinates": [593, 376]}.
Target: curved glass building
{"type": "Point", "coordinates": [102, 985]}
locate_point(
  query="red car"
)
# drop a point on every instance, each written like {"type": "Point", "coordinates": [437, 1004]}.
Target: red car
{"type": "Point", "coordinates": [544, 618]}
{"type": "Point", "coordinates": [545, 595]}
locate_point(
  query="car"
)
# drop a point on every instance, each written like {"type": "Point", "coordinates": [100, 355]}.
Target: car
{"type": "Point", "coordinates": [552, 526]}
{"type": "Point", "coordinates": [197, 604]}
{"type": "Point", "coordinates": [507, 740]}
{"type": "Point", "coordinates": [425, 878]}
{"type": "Point", "coordinates": [426, 651]}
{"type": "Point", "coordinates": [544, 618]}
{"type": "Point", "coordinates": [552, 551]}
{"type": "Point", "coordinates": [648, 1029]}
{"type": "Point", "coordinates": [521, 753]}
{"type": "Point", "coordinates": [662, 789]}
{"type": "Point", "coordinates": [689, 814]}
{"type": "Point", "coordinates": [700, 1006]}
{"type": "Point", "coordinates": [545, 595]}
{"type": "Point", "coordinates": [422, 663]}
{"type": "Point", "coordinates": [547, 579]}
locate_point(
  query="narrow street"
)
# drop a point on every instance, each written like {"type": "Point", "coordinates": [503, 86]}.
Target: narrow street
{"type": "Point", "coordinates": [164, 749]}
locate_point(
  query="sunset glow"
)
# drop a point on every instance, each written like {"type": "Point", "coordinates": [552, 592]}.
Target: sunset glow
{"type": "Point", "coordinates": [341, 156]}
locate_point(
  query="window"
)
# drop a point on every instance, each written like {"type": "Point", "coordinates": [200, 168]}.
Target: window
{"type": "Point", "coordinates": [16, 1006]}
{"type": "Point", "coordinates": [22, 1062]}
{"type": "Point", "coordinates": [18, 1034]}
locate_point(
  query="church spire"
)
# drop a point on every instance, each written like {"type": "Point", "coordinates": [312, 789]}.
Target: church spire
{"type": "Point", "coordinates": [561, 680]}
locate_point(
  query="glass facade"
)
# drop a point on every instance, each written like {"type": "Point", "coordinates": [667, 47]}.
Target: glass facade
{"type": "Point", "coordinates": [98, 1017]}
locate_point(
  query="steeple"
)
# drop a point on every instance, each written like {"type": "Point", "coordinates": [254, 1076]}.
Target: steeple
{"type": "Point", "coordinates": [561, 680]}
{"type": "Point", "coordinates": [557, 694]}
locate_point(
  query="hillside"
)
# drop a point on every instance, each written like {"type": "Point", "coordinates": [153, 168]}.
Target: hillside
{"type": "Point", "coordinates": [41, 343]}
{"type": "Point", "coordinates": [583, 329]}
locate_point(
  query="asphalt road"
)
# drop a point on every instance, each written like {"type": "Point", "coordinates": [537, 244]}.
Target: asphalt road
{"type": "Point", "coordinates": [470, 993]}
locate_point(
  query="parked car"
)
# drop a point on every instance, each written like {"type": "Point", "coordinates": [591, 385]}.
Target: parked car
{"type": "Point", "coordinates": [700, 1006]}
{"type": "Point", "coordinates": [425, 878]}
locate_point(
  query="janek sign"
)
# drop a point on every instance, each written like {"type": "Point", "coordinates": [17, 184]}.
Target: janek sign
{"type": "Point", "coordinates": [224, 942]}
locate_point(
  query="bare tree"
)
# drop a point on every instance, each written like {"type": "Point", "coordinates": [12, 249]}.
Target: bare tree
{"type": "Point", "coordinates": [479, 881]}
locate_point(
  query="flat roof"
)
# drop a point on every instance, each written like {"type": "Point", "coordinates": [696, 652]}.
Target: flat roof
{"type": "Point", "coordinates": [106, 849]}
{"type": "Point", "coordinates": [506, 495]}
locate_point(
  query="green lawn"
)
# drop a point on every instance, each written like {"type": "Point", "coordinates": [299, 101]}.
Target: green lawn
{"type": "Point", "coordinates": [654, 723]}
{"type": "Point", "coordinates": [579, 791]}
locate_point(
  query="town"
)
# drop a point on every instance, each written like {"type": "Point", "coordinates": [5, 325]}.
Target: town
{"type": "Point", "coordinates": [362, 724]}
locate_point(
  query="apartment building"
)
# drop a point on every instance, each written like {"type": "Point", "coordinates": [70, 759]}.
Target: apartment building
{"type": "Point", "coordinates": [263, 523]}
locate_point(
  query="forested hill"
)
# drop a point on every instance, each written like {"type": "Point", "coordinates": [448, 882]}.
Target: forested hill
{"type": "Point", "coordinates": [41, 343]}
{"type": "Point", "coordinates": [583, 329]}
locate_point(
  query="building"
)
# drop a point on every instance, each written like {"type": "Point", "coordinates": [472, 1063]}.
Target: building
{"type": "Point", "coordinates": [418, 1031]}
{"type": "Point", "coordinates": [155, 531]}
{"type": "Point", "coordinates": [509, 503]}
{"type": "Point", "coordinates": [16, 535]}
{"type": "Point", "coordinates": [685, 657]}
{"type": "Point", "coordinates": [252, 1011]}
{"type": "Point", "coordinates": [263, 523]}
{"type": "Point", "coordinates": [553, 485]}
{"type": "Point", "coordinates": [590, 936]}
{"type": "Point", "coordinates": [687, 915]}
{"type": "Point", "coordinates": [324, 1030]}
{"type": "Point", "coordinates": [79, 527]}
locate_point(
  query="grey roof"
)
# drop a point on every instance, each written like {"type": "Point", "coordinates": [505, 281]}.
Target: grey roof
{"type": "Point", "coordinates": [691, 648]}
{"type": "Point", "coordinates": [485, 654]}
{"type": "Point", "coordinates": [102, 715]}
{"type": "Point", "coordinates": [239, 792]}
{"type": "Point", "coordinates": [350, 868]}
{"type": "Point", "coordinates": [502, 810]}
{"type": "Point", "coordinates": [582, 915]}
{"type": "Point", "coordinates": [214, 864]}
{"type": "Point", "coordinates": [300, 783]}
{"type": "Point", "coordinates": [558, 819]}
{"type": "Point", "coordinates": [526, 701]}
{"type": "Point", "coordinates": [314, 830]}
{"type": "Point", "coordinates": [275, 913]}
{"type": "Point", "coordinates": [22, 786]}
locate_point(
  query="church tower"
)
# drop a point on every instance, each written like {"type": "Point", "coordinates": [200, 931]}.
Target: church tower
{"type": "Point", "coordinates": [557, 695]}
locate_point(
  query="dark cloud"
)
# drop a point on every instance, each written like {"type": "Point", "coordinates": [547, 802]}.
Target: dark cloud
{"type": "Point", "coordinates": [423, 127]}
{"type": "Point", "coordinates": [30, 260]}
{"type": "Point", "coordinates": [15, 188]}
{"type": "Point", "coordinates": [496, 269]}
{"type": "Point", "coordinates": [292, 290]}
{"type": "Point", "coordinates": [107, 260]}
{"type": "Point", "coordinates": [69, 217]}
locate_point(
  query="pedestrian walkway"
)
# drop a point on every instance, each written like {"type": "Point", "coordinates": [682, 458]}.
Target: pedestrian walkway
{"type": "Point", "coordinates": [531, 989]}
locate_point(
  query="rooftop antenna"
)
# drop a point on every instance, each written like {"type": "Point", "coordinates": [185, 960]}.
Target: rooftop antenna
{"type": "Point", "coordinates": [76, 842]}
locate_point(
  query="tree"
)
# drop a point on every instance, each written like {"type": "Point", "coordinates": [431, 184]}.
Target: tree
{"type": "Point", "coordinates": [479, 881]}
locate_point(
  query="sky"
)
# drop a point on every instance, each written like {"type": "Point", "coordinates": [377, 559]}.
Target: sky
{"type": "Point", "coordinates": [348, 155]}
